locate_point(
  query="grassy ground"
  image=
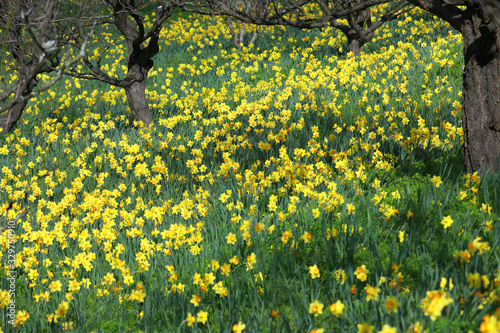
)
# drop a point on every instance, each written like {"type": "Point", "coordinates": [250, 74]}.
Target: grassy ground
{"type": "Point", "coordinates": [286, 187]}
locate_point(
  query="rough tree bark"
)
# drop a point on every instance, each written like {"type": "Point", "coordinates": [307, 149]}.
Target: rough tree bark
{"type": "Point", "coordinates": [481, 94]}
{"type": "Point", "coordinates": [357, 38]}
{"type": "Point", "coordinates": [355, 45]}
{"type": "Point", "coordinates": [9, 119]}
{"type": "Point", "coordinates": [136, 94]}
{"type": "Point", "coordinates": [481, 80]}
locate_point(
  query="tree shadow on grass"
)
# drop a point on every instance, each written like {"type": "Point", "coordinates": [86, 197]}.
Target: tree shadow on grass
{"type": "Point", "coordinates": [431, 162]}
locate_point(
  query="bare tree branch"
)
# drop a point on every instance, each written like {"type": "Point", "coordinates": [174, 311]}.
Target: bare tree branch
{"type": "Point", "coordinates": [445, 10]}
{"type": "Point", "coordinates": [359, 29]}
{"type": "Point", "coordinates": [36, 32]}
{"type": "Point", "coordinates": [246, 13]}
{"type": "Point", "coordinates": [42, 66]}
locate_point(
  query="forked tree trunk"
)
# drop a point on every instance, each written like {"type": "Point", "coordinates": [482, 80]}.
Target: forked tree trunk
{"type": "Point", "coordinates": [140, 56]}
{"type": "Point", "coordinates": [136, 94]}
{"type": "Point", "coordinates": [358, 31]}
{"type": "Point", "coordinates": [481, 95]}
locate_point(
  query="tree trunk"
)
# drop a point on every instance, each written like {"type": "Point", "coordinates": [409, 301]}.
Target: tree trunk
{"type": "Point", "coordinates": [358, 34]}
{"type": "Point", "coordinates": [481, 95]}
{"type": "Point", "coordinates": [9, 120]}
{"type": "Point", "coordinates": [355, 45]}
{"type": "Point", "coordinates": [136, 93]}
